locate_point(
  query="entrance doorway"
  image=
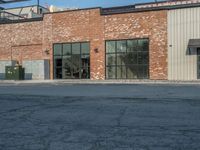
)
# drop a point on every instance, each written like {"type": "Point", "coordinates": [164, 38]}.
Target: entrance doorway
{"type": "Point", "coordinates": [72, 61]}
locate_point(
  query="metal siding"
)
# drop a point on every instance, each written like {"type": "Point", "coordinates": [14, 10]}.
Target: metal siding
{"type": "Point", "coordinates": [183, 24]}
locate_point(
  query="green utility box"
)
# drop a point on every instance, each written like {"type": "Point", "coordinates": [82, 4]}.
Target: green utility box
{"type": "Point", "coordinates": [14, 73]}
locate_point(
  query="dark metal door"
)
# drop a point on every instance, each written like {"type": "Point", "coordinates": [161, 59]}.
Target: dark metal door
{"type": "Point", "coordinates": [198, 63]}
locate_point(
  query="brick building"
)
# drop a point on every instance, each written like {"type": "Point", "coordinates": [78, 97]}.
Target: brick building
{"type": "Point", "coordinates": [141, 41]}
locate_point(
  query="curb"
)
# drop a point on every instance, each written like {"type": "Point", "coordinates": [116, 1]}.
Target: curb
{"type": "Point", "coordinates": [99, 82]}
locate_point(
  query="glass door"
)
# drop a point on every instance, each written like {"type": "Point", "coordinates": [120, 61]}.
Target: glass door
{"type": "Point", "coordinates": [72, 60]}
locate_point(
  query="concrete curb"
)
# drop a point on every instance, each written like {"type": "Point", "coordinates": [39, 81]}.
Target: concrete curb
{"type": "Point", "coordinates": [100, 82]}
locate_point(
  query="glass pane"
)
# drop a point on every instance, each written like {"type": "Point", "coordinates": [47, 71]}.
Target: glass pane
{"type": "Point", "coordinates": [146, 72]}
{"type": "Point", "coordinates": [143, 45]}
{"type": "Point", "coordinates": [132, 72]}
{"type": "Point", "coordinates": [85, 73]}
{"type": "Point", "coordinates": [143, 57]}
{"type": "Point", "coordinates": [75, 61]}
{"type": "Point", "coordinates": [58, 73]}
{"type": "Point", "coordinates": [110, 47]}
{"type": "Point", "coordinates": [57, 49]}
{"type": "Point", "coordinates": [131, 45]}
{"type": "Point", "coordinates": [198, 51]}
{"type": "Point", "coordinates": [121, 59]}
{"type": "Point", "coordinates": [121, 46]}
{"type": "Point", "coordinates": [110, 59]}
{"type": "Point", "coordinates": [67, 67]}
{"type": "Point", "coordinates": [58, 61]}
{"type": "Point", "coordinates": [66, 49]}
{"type": "Point", "coordinates": [76, 48]}
{"type": "Point", "coordinates": [85, 61]}
{"type": "Point", "coordinates": [66, 73]}
{"type": "Point", "coordinates": [111, 72]}
{"type": "Point", "coordinates": [66, 61]}
{"type": "Point", "coordinates": [75, 66]}
{"type": "Point", "coordinates": [75, 73]}
{"type": "Point", "coordinates": [121, 72]}
{"type": "Point", "coordinates": [131, 58]}
{"type": "Point", "coordinates": [142, 72]}
{"type": "Point", "coordinates": [85, 48]}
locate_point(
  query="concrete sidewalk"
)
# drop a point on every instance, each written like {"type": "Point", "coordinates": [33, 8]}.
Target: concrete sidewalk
{"type": "Point", "coordinates": [196, 82]}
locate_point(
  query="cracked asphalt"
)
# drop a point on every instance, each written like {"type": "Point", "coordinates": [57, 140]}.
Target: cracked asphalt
{"type": "Point", "coordinates": [99, 117]}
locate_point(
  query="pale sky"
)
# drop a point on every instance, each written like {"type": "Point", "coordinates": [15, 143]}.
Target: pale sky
{"type": "Point", "coordinates": [80, 3]}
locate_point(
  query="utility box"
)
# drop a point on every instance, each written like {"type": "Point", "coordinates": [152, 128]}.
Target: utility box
{"type": "Point", "coordinates": [14, 73]}
{"type": "Point", "coordinates": [3, 64]}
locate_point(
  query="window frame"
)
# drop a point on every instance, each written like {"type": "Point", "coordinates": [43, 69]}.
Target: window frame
{"type": "Point", "coordinates": [137, 51]}
{"type": "Point", "coordinates": [80, 57]}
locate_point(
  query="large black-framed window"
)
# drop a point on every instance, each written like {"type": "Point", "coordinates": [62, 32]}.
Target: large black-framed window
{"type": "Point", "coordinates": [71, 60]}
{"type": "Point", "coordinates": [127, 59]}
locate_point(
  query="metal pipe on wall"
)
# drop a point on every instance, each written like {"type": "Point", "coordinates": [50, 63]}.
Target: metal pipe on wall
{"type": "Point", "coordinates": [38, 4]}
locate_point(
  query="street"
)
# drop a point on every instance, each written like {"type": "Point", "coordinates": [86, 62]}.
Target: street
{"type": "Point", "coordinates": [99, 117]}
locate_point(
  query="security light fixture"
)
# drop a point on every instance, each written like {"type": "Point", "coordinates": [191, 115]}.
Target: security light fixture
{"type": "Point", "coordinates": [46, 51]}
{"type": "Point", "coordinates": [96, 50]}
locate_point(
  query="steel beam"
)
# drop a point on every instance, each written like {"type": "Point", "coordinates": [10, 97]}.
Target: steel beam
{"type": "Point", "coordinates": [11, 1]}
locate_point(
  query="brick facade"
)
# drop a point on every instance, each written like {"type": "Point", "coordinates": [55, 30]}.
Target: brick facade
{"type": "Point", "coordinates": [21, 41]}
{"type": "Point", "coordinates": [152, 25]}
{"type": "Point", "coordinates": [30, 40]}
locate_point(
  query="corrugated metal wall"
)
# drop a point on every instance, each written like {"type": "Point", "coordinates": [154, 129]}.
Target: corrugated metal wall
{"type": "Point", "coordinates": [183, 24]}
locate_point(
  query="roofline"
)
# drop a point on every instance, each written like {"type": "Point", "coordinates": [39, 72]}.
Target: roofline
{"type": "Point", "coordinates": [119, 6]}
{"type": "Point", "coordinates": [22, 20]}
{"type": "Point", "coordinates": [90, 8]}
{"type": "Point", "coordinates": [137, 10]}
{"type": "Point", "coordinates": [182, 6]}
{"type": "Point", "coordinates": [148, 3]}
{"type": "Point", "coordinates": [159, 8]}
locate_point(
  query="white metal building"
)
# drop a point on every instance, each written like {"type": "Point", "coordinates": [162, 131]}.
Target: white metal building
{"type": "Point", "coordinates": [184, 44]}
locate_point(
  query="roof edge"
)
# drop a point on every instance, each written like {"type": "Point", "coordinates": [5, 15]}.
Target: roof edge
{"type": "Point", "coordinates": [106, 11]}
{"type": "Point", "coordinates": [115, 10]}
{"type": "Point", "coordinates": [21, 21]}
{"type": "Point", "coordinates": [63, 11]}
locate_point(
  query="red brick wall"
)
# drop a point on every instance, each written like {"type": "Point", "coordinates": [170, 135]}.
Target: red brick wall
{"type": "Point", "coordinates": [69, 27]}
{"type": "Point", "coordinates": [97, 45]}
{"type": "Point", "coordinates": [21, 41]}
{"type": "Point", "coordinates": [78, 26]}
{"type": "Point", "coordinates": [30, 40]}
{"type": "Point", "coordinates": [27, 52]}
{"type": "Point", "coordinates": [152, 25]}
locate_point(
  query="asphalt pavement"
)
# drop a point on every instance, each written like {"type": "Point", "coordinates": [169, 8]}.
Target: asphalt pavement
{"type": "Point", "coordinates": [99, 117]}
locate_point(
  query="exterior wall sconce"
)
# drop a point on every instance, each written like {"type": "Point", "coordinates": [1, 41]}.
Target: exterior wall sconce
{"type": "Point", "coordinates": [47, 51]}
{"type": "Point", "coordinates": [96, 50]}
